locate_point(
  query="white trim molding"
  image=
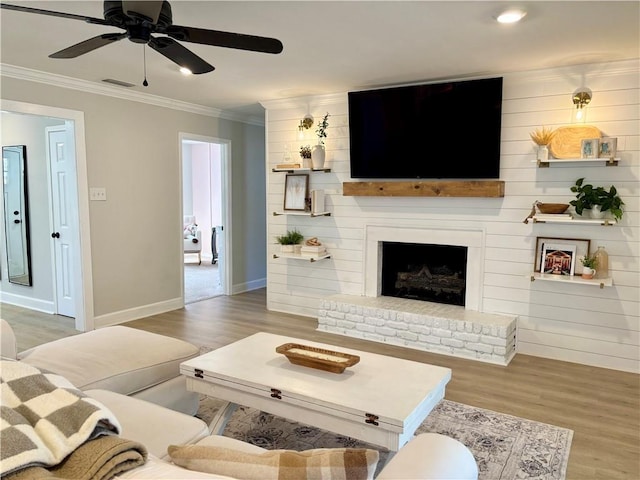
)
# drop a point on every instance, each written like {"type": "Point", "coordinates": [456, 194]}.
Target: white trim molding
{"type": "Point", "coordinates": [62, 81]}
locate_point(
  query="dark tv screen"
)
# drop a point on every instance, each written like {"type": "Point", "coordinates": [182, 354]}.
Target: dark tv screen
{"type": "Point", "coordinates": [443, 130]}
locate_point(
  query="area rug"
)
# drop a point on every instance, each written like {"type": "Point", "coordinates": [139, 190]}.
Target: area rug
{"type": "Point", "coordinates": [505, 447]}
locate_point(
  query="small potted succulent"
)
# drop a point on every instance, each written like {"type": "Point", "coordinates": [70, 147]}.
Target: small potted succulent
{"type": "Point", "coordinates": [597, 200]}
{"type": "Point", "coordinates": [589, 263]}
{"type": "Point", "coordinates": [289, 241]}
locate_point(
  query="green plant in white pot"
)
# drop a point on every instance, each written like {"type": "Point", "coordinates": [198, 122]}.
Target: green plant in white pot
{"type": "Point", "coordinates": [596, 200]}
{"type": "Point", "coordinates": [289, 241]}
{"type": "Point", "coordinates": [589, 264]}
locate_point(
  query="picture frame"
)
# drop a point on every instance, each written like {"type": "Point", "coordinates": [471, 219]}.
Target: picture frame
{"type": "Point", "coordinates": [296, 192]}
{"type": "Point", "coordinates": [590, 148]}
{"type": "Point", "coordinates": [582, 248]}
{"type": "Point", "coordinates": [608, 147]}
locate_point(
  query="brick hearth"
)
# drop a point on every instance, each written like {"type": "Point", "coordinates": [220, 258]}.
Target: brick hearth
{"type": "Point", "coordinates": [432, 327]}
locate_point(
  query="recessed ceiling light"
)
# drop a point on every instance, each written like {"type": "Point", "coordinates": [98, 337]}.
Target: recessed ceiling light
{"type": "Point", "coordinates": [185, 71]}
{"type": "Point", "coordinates": [511, 16]}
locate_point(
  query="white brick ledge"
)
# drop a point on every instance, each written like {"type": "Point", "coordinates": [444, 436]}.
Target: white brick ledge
{"type": "Point", "coordinates": [432, 327]}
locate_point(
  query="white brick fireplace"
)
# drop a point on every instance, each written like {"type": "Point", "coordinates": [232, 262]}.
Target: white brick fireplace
{"type": "Point", "coordinates": [434, 327]}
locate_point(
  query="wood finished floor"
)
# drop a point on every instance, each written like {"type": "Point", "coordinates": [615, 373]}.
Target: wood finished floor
{"type": "Point", "coordinates": [601, 406]}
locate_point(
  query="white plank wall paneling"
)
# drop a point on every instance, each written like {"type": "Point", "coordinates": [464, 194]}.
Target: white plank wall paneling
{"type": "Point", "coordinates": [576, 323]}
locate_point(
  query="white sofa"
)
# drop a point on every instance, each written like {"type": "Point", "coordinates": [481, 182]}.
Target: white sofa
{"type": "Point", "coordinates": [120, 359]}
{"type": "Point", "coordinates": [427, 456]}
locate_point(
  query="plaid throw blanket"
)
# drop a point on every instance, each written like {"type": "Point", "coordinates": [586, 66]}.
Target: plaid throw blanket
{"type": "Point", "coordinates": [44, 418]}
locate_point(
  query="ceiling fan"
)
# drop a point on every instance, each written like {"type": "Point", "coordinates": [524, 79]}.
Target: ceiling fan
{"type": "Point", "coordinates": [141, 19]}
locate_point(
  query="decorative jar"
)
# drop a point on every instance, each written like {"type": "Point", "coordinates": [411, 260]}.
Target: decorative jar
{"type": "Point", "coordinates": [602, 257]}
{"type": "Point", "coordinates": [317, 156]}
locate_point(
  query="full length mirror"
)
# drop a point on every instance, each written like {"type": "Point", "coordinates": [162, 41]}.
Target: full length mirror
{"type": "Point", "coordinates": [16, 214]}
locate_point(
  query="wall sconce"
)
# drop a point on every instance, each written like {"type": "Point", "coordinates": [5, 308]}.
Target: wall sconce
{"type": "Point", "coordinates": [305, 124]}
{"type": "Point", "coordinates": [581, 98]}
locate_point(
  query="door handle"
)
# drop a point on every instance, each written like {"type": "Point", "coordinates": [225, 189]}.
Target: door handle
{"type": "Point", "coordinates": [55, 235]}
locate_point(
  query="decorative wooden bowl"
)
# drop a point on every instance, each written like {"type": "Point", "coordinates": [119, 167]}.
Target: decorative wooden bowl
{"type": "Point", "coordinates": [318, 358]}
{"type": "Point", "coordinates": [552, 207]}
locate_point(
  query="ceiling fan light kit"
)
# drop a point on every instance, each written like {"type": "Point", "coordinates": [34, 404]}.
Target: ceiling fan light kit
{"type": "Point", "coordinates": [511, 16]}
{"type": "Point", "coordinates": [141, 20]}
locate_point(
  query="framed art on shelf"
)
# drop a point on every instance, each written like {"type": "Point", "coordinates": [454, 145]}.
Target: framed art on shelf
{"type": "Point", "coordinates": [296, 191]}
{"type": "Point", "coordinates": [608, 147]}
{"type": "Point", "coordinates": [590, 148]}
{"type": "Point", "coordinates": [578, 246]}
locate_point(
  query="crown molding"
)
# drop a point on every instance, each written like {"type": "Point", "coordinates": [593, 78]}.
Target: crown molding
{"type": "Point", "coordinates": [307, 102]}
{"type": "Point", "coordinates": [21, 73]}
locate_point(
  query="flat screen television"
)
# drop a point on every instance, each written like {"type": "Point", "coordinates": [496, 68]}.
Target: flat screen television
{"type": "Point", "coordinates": [439, 131]}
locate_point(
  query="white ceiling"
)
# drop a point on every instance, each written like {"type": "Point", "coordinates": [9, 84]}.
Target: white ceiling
{"type": "Point", "coordinates": [330, 47]}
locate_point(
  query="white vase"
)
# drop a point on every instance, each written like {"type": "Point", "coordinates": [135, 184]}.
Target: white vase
{"type": "Point", "coordinates": [588, 273]}
{"type": "Point", "coordinates": [596, 212]}
{"type": "Point", "coordinates": [306, 162]}
{"type": "Point", "coordinates": [317, 156]}
{"type": "Point", "coordinates": [543, 153]}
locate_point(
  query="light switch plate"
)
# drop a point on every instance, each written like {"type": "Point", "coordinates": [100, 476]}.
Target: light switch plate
{"type": "Point", "coordinates": [98, 194]}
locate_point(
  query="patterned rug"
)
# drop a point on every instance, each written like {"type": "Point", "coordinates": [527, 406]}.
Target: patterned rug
{"type": "Point", "coordinates": [505, 447]}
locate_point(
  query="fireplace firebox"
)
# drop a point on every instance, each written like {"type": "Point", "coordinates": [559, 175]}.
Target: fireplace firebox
{"type": "Point", "coordinates": [419, 271]}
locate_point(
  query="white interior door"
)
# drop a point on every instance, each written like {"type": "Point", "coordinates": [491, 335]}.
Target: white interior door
{"type": "Point", "coordinates": [64, 216]}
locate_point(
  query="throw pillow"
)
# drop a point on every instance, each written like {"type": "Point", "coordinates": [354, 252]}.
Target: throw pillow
{"type": "Point", "coordinates": [190, 230]}
{"type": "Point", "coordinates": [321, 463]}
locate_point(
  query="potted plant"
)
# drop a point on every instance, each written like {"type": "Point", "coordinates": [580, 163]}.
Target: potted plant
{"type": "Point", "coordinates": [305, 154]}
{"type": "Point", "coordinates": [318, 152]}
{"type": "Point", "coordinates": [589, 262]}
{"type": "Point", "coordinates": [596, 199]}
{"type": "Point", "coordinates": [542, 137]}
{"type": "Point", "coordinates": [289, 241]}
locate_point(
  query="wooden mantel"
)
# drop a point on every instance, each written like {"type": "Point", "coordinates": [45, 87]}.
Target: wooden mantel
{"type": "Point", "coordinates": [437, 188]}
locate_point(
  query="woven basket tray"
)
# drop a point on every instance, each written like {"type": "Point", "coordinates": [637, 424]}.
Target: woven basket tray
{"type": "Point", "coordinates": [567, 141]}
{"type": "Point", "coordinates": [318, 358]}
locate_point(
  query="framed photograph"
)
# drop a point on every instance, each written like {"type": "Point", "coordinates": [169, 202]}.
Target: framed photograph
{"type": "Point", "coordinates": [608, 147]}
{"type": "Point", "coordinates": [582, 248]}
{"type": "Point", "coordinates": [296, 192]}
{"type": "Point", "coordinates": [558, 259]}
{"type": "Point", "coordinates": [590, 148]}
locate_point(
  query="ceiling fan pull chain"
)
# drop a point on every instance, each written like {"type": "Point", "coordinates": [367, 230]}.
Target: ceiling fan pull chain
{"type": "Point", "coordinates": [144, 61]}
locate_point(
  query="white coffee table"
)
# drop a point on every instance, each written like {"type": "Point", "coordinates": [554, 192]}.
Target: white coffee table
{"type": "Point", "coordinates": [381, 400]}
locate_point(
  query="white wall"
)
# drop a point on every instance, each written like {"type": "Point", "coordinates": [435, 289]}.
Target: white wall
{"type": "Point", "coordinates": [133, 150]}
{"type": "Point", "coordinates": [576, 323]}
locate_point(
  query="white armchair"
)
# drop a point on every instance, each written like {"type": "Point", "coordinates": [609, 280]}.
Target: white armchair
{"type": "Point", "coordinates": [192, 237]}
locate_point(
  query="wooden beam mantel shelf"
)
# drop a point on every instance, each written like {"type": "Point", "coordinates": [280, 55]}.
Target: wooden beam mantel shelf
{"type": "Point", "coordinates": [437, 188]}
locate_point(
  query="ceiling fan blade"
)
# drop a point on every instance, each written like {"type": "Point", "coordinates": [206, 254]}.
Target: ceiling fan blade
{"type": "Point", "coordinates": [88, 45]}
{"type": "Point", "coordinates": [180, 55]}
{"type": "Point", "coordinates": [51, 13]}
{"type": "Point", "coordinates": [148, 9]}
{"type": "Point", "coordinates": [224, 39]}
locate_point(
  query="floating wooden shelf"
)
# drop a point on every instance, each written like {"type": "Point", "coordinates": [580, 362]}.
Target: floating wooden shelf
{"type": "Point", "coordinates": [303, 214]}
{"type": "Point", "coordinates": [298, 170]}
{"type": "Point", "coordinates": [575, 221]}
{"type": "Point", "coordinates": [436, 188]}
{"type": "Point", "coordinates": [609, 162]}
{"type": "Point", "coordinates": [575, 279]}
{"type": "Point", "coordinates": [297, 256]}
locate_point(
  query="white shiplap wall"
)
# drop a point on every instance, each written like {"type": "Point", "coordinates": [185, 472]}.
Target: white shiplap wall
{"type": "Point", "coordinates": [576, 323]}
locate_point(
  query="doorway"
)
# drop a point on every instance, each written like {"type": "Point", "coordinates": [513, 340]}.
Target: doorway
{"type": "Point", "coordinates": [75, 287]}
{"type": "Point", "coordinates": [206, 213]}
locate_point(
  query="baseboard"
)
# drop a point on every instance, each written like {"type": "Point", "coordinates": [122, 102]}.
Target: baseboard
{"type": "Point", "coordinates": [248, 286]}
{"type": "Point", "coordinates": [122, 316]}
{"type": "Point", "coordinates": [45, 306]}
